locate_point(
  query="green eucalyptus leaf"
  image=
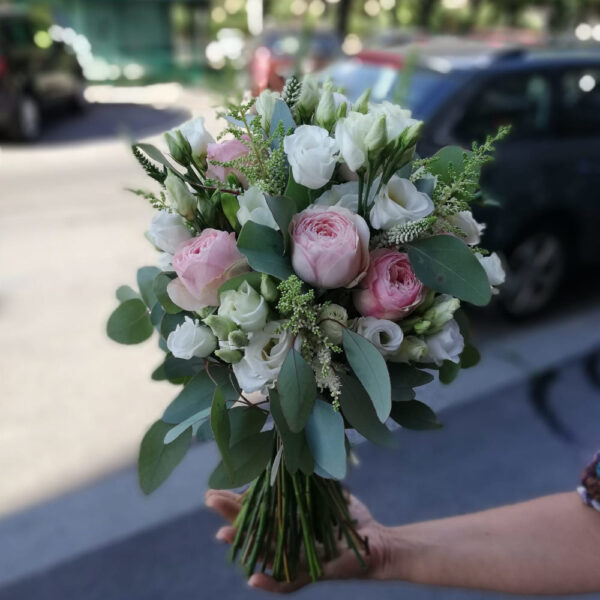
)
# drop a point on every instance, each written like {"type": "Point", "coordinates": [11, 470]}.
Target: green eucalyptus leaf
{"type": "Point", "coordinates": [403, 375]}
{"type": "Point", "coordinates": [263, 247]}
{"type": "Point", "coordinates": [230, 205]}
{"type": "Point", "coordinates": [443, 158]}
{"type": "Point", "coordinates": [159, 373]}
{"type": "Point", "coordinates": [446, 264]}
{"type": "Point", "coordinates": [281, 114]}
{"type": "Point", "coordinates": [186, 425]}
{"type": "Point", "coordinates": [159, 286]}
{"type": "Point", "coordinates": [156, 460]}
{"type": "Point", "coordinates": [371, 369]}
{"type": "Point", "coordinates": [326, 439]}
{"type": "Point", "coordinates": [156, 316]}
{"type": "Point", "coordinates": [196, 396]}
{"type": "Point", "coordinates": [448, 371]}
{"type": "Point", "coordinates": [297, 390]}
{"type": "Point", "coordinates": [129, 323]}
{"type": "Point", "coordinates": [245, 421]}
{"type": "Point", "coordinates": [248, 458]}
{"type": "Point", "coordinates": [295, 447]}
{"type": "Point", "coordinates": [204, 433]}
{"type": "Point", "coordinates": [177, 368]}
{"type": "Point", "coordinates": [234, 283]}
{"type": "Point", "coordinates": [169, 323]}
{"type": "Point", "coordinates": [219, 421]}
{"type": "Point", "coordinates": [155, 154]}
{"type": "Point", "coordinates": [125, 292]}
{"type": "Point", "coordinates": [283, 208]}
{"type": "Point", "coordinates": [145, 281]}
{"type": "Point", "coordinates": [359, 412]}
{"type": "Point", "coordinates": [298, 193]}
{"type": "Point", "coordinates": [414, 415]}
{"type": "Point", "coordinates": [470, 357]}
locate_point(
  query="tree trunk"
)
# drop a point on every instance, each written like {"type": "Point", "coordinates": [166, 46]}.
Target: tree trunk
{"type": "Point", "coordinates": [343, 16]}
{"type": "Point", "coordinates": [425, 8]}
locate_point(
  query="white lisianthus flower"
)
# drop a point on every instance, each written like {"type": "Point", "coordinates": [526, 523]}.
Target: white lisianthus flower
{"type": "Point", "coordinates": [265, 104]}
{"type": "Point", "coordinates": [344, 194]}
{"type": "Point", "coordinates": [263, 357]}
{"type": "Point", "coordinates": [245, 307]}
{"type": "Point", "coordinates": [493, 269]}
{"type": "Point", "coordinates": [167, 231]}
{"type": "Point", "coordinates": [312, 154]}
{"type": "Point", "coordinates": [385, 335]}
{"type": "Point", "coordinates": [441, 311]}
{"type": "Point", "coordinates": [191, 339]}
{"type": "Point", "coordinates": [350, 134]}
{"type": "Point", "coordinates": [397, 119]}
{"type": "Point", "coordinates": [446, 344]}
{"type": "Point", "coordinates": [254, 207]}
{"type": "Point", "coordinates": [197, 136]}
{"type": "Point", "coordinates": [471, 229]}
{"type": "Point", "coordinates": [399, 202]}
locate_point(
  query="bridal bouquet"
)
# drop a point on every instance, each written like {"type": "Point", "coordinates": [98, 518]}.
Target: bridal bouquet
{"type": "Point", "coordinates": [310, 277]}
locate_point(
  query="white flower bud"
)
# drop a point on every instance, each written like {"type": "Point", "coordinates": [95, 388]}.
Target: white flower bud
{"type": "Point", "coordinates": [220, 326]}
{"type": "Point", "coordinates": [309, 95]}
{"type": "Point", "coordinates": [412, 349]}
{"type": "Point", "coordinates": [196, 135]}
{"type": "Point", "coordinates": [362, 104]}
{"type": "Point", "coordinates": [376, 137]}
{"type": "Point", "coordinates": [470, 228]}
{"type": "Point", "coordinates": [325, 113]}
{"type": "Point", "coordinates": [245, 307]}
{"type": "Point", "coordinates": [191, 339]}
{"type": "Point", "coordinates": [443, 309]}
{"type": "Point", "coordinates": [265, 104]}
{"type": "Point", "coordinates": [180, 197]}
{"type": "Point", "coordinates": [332, 320]}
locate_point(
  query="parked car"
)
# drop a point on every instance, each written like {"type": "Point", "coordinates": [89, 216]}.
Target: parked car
{"type": "Point", "coordinates": [276, 55]}
{"type": "Point", "coordinates": [36, 74]}
{"type": "Point", "coordinates": [546, 175]}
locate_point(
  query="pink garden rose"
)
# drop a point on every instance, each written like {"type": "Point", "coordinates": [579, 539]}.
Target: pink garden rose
{"type": "Point", "coordinates": [224, 152]}
{"type": "Point", "coordinates": [203, 264]}
{"type": "Point", "coordinates": [390, 290]}
{"type": "Point", "coordinates": [330, 246]}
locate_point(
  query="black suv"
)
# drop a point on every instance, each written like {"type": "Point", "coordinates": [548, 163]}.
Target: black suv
{"type": "Point", "coordinates": [36, 73]}
{"type": "Point", "coordinates": [546, 175]}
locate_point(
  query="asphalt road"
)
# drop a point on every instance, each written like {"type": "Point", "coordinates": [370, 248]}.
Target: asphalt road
{"type": "Point", "coordinates": [515, 445]}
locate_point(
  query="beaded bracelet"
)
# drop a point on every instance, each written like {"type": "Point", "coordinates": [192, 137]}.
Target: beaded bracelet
{"type": "Point", "coordinates": [589, 490]}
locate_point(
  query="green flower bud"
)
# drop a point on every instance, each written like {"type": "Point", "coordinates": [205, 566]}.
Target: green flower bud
{"type": "Point", "coordinates": [203, 313]}
{"type": "Point", "coordinates": [422, 326]}
{"type": "Point", "coordinates": [221, 326]}
{"type": "Point", "coordinates": [268, 288]}
{"type": "Point", "coordinates": [411, 134]}
{"type": "Point", "coordinates": [442, 311]}
{"type": "Point", "coordinates": [265, 105]}
{"type": "Point", "coordinates": [341, 111]}
{"type": "Point", "coordinates": [362, 104]}
{"type": "Point", "coordinates": [238, 338]}
{"type": "Point", "coordinates": [376, 138]}
{"type": "Point", "coordinates": [179, 147]}
{"type": "Point", "coordinates": [412, 348]}
{"type": "Point", "coordinates": [180, 197]}
{"type": "Point", "coordinates": [309, 96]}
{"type": "Point", "coordinates": [229, 356]}
{"type": "Point", "coordinates": [333, 319]}
{"type": "Point", "coordinates": [325, 113]}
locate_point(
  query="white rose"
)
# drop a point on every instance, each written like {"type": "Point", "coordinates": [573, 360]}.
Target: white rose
{"type": "Point", "coordinates": [471, 229]}
{"type": "Point", "coordinates": [263, 357]}
{"type": "Point", "coordinates": [385, 335]}
{"type": "Point", "coordinates": [312, 155]}
{"type": "Point", "coordinates": [399, 202]}
{"type": "Point", "coordinates": [196, 135]}
{"type": "Point", "coordinates": [493, 269]}
{"type": "Point", "coordinates": [447, 344]}
{"type": "Point", "coordinates": [350, 134]}
{"type": "Point", "coordinates": [254, 207]}
{"type": "Point", "coordinates": [245, 307]}
{"type": "Point", "coordinates": [265, 105]}
{"type": "Point", "coordinates": [167, 231]}
{"type": "Point", "coordinates": [397, 119]}
{"type": "Point", "coordinates": [344, 194]}
{"type": "Point", "coordinates": [191, 339]}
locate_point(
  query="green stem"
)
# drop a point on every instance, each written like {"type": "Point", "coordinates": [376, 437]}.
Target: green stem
{"type": "Point", "coordinates": [314, 566]}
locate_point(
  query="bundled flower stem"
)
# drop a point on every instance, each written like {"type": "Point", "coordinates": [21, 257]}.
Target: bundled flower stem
{"type": "Point", "coordinates": [286, 519]}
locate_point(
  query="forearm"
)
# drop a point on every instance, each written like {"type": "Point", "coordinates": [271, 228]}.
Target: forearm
{"type": "Point", "coordinates": [546, 546]}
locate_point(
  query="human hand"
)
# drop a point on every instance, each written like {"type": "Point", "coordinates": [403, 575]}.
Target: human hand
{"type": "Point", "coordinates": [345, 566]}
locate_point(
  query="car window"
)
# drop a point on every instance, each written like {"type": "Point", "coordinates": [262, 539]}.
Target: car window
{"type": "Point", "coordinates": [16, 32]}
{"type": "Point", "coordinates": [579, 113]}
{"type": "Point", "coordinates": [520, 100]}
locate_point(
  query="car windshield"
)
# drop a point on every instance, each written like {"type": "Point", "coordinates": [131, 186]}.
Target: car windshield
{"type": "Point", "coordinates": [387, 83]}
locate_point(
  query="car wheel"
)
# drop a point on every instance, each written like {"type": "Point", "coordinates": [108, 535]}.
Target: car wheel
{"type": "Point", "coordinates": [79, 102]}
{"type": "Point", "coordinates": [28, 121]}
{"type": "Point", "coordinates": [536, 266]}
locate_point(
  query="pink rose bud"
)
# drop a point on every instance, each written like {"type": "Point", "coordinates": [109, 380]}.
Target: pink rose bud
{"type": "Point", "coordinates": [330, 246]}
{"type": "Point", "coordinates": [225, 152]}
{"type": "Point", "coordinates": [390, 290]}
{"type": "Point", "coordinates": [203, 264]}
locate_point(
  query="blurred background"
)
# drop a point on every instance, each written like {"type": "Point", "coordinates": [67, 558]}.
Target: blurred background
{"type": "Point", "coordinates": [80, 79]}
